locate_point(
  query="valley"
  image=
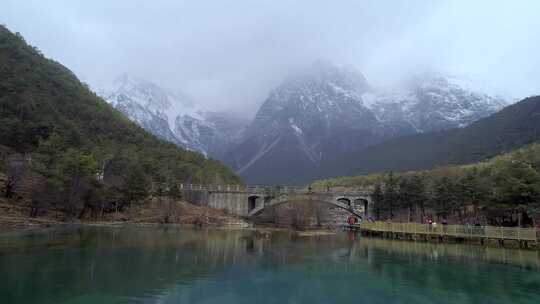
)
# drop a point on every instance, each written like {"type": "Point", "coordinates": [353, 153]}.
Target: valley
{"type": "Point", "coordinates": [325, 121]}
{"type": "Point", "coordinates": [371, 151]}
{"type": "Point", "coordinates": [308, 123]}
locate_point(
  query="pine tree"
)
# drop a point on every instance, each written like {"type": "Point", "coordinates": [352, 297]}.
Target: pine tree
{"type": "Point", "coordinates": [412, 195]}
{"type": "Point", "coordinates": [445, 200]}
{"type": "Point", "coordinates": [390, 194]}
{"type": "Point", "coordinates": [378, 200]}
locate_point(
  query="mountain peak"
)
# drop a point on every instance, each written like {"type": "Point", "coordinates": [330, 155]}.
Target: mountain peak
{"type": "Point", "coordinates": [150, 95]}
{"type": "Point", "coordinates": [344, 77]}
{"type": "Point", "coordinates": [170, 115]}
{"type": "Point", "coordinates": [310, 117]}
{"type": "Point", "coordinates": [326, 111]}
{"type": "Point", "coordinates": [465, 82]}
{"type": "Point", "coordinates": [318, 87]}
{"type": "Point", "coordinates": [432, 102]}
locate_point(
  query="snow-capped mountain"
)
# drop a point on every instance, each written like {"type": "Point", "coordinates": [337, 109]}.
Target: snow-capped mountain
{"type": "Point", "coordinates": [171, 116]}
{"type": "Point", "coordinates": [305, 121]}
{"type": "Point", "coordinates": [327, 111]}
{"type": "Point", "coordinates": [431, 102]}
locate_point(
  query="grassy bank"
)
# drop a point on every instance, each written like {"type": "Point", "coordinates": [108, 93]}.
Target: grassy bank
{"type": "Point", "coordinates": [15, 216]}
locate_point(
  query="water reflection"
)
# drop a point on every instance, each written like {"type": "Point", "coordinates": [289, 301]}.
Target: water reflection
{"type": "Point", "coordinates": [171, 265]}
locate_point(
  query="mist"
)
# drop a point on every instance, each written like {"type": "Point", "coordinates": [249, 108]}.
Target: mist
{"type": "Point", "coordinates": [228, 54]}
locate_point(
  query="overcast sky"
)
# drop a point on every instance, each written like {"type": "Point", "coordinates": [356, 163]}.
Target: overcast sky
{"type": "Point", "coordinates": [227, 54]}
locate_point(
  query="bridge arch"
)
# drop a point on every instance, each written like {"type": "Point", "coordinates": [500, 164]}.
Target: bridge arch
{"type": "Point", "coordinates": [245, 200]}
{"type": "Point", "coordinates": [252, 202]}
{"type": "Point", "coordinates": [361, 205]}
{"type": "Point", "coordinates": [344, 200]}
{"type": "Point", "coordinates": [341, 203]}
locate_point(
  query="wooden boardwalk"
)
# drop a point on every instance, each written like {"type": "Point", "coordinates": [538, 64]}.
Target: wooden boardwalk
{"type": "Point", "coordinates": [453, 231]}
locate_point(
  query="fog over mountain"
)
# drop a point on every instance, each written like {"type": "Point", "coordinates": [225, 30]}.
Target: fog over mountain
{"type": "Point", "coordinates": [228, 55]}
{"type": "Point", "coordinates": [326, 112]}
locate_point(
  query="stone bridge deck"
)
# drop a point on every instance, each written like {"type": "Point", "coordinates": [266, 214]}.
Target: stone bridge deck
{"type": "Point", "coordinates": [261, 189]}
{"type": "Point", "coordinates": [252, 200]}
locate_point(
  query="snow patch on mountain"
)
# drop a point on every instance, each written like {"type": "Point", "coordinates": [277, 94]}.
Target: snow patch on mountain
{"type": "Point", "coordinates": [172, 116]}
{"type": "Point", "coordinates": [295, 127]}
{"type": "Point", "coordinates": [432, 102]}
{"type": "Point", "coordinates": [300, 117]}
{"type": "Point", "coordinates": [327, 111]}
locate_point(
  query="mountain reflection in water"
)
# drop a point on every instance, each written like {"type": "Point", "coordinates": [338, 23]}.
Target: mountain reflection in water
{"type": "Point", "coordinates": [173, 265]}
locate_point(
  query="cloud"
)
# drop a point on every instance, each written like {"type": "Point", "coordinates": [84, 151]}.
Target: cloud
{"type": "Point", "coordinates": [228, 54]}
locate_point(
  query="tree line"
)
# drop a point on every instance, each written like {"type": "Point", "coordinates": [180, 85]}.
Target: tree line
{"type": "Point", "coordinates": [63, 148]}
{"type": "Point", "coordinates": [78, 182]}
{"type": "Point", "coordinates": [503, 191]}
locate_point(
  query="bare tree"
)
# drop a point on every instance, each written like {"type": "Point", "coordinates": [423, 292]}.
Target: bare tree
{"type": "Point", "coordinates": [16, 168]}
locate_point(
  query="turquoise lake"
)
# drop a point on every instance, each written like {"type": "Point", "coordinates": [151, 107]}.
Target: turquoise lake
{"type": "Point", "coordinates": [174, 265]}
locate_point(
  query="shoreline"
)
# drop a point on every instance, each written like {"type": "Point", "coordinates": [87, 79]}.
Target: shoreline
{"type": "Point", "coordinates": [10, 225]}
{"type": "Point", "coordinates": [264, 231]}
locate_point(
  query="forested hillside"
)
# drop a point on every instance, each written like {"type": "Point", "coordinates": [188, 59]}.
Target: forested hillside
{"type": "Point", "coordinates": [63, 147]}
{"type": "Point", "coordinates": [504, 190]}
{"type": "Point", "coordinates": [513, 127]}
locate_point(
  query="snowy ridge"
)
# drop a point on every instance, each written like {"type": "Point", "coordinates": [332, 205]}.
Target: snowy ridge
{"type": "Point", "coordinates": [326, 111]}
{"type": "Point", "coordinates": [293, 126]}
{"type": "Point", "coordinates": [169, 115]}
{"type": "Point", "coordinates": [432, 103]}
{"type": "Point", "coordinates": [312, 118]}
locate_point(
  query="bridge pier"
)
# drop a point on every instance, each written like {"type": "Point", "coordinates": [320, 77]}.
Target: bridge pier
{"type": "Point", "coordinates": [237, 203]}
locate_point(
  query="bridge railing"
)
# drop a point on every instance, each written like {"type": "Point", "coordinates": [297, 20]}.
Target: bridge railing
{"type": "Point", "coordinates": [242, 188]}
{"type": "Point", "coordinates": [211, 187]}
{"type": "Point", "coordinates": [260, 189]}
{"type": "Point", "coordinates": [466, 231]}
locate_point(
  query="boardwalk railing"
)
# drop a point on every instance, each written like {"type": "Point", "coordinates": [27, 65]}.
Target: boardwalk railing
{"type": "Point", "coordinates": [465, 231]}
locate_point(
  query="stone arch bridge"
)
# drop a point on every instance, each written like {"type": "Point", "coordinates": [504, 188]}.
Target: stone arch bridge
{"type": "Point", "coordinates": [250, 201]}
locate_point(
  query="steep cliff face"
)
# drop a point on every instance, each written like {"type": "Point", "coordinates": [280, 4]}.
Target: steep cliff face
{"type": "Point", "coordinates": [306, 120]}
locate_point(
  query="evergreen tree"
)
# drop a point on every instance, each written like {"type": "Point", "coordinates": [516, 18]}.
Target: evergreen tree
{"type": "Point", "coordinates": [136, 185]}
{"type": "Point", "coordinates": [517, 185]}
{"type": "Point", "coordinates": [390, 194]}
{"type": "Point", "coordinates": [378, 200]}
{"type": "Point", "coordinates": [412, 195]}
{"type": "Point", "coordinates": [77, 170]}
{"type": "Point", "coordinates": [445, 198]}
{"type": "Point", "coordinates": [474, 190]}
